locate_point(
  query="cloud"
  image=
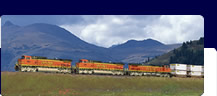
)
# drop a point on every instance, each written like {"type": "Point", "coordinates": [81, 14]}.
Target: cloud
{"type": "Point", "coordinates": [176, 29]}
{"type": "Point", "coordinates": [107, 30]}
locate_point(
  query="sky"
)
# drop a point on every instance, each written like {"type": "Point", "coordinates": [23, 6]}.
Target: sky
{"type": "Point", "coordinates": [108, 30]}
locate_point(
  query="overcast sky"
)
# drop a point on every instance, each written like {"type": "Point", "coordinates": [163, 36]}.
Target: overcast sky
{"type": "Point", "coordinates": [107, 30]}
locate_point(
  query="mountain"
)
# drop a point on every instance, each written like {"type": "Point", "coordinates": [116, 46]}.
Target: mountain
{"type": "Point", "coordinates": [52, 41]}
{"type": "Point", "coordinates": [191, 52]}
{"type": "Point", "coordinates": [45, 40]}
{"type": "Point", "coordinates": [134, 51]}
{"type": "Point", "coordinates": [135, 43]}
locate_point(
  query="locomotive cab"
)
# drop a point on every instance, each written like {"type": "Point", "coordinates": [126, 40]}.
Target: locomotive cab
{"type": "Point", "coordinates": [26, 57]}
{"type": "Point", "coordinates": [83, 61]}
{"type": "Point", "coordinates": [20, 61]}
{"type": "Point", "coordinates": [166, 68]}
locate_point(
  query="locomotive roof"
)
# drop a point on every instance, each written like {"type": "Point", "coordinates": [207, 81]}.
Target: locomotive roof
{"type": "Point", "coordinates": [95, 61]}
{"type": "Point", "coordinates": [63, 59]}
{"type": "Point", "coordinates": [139, 64]}
{"type": "Point", "coordinates": [110, 63]}
{"type": "Point", "coordinates": [40, 57]}
{"type": "Point", "coordinates": [134, 64]}
{"type": "Point", "coordinates": [114, 63]}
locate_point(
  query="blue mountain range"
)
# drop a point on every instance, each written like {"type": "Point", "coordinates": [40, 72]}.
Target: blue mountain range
{"type": "Point", "coordinates": [52, 41]}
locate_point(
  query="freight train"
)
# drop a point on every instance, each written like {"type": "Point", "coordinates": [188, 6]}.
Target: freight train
{"type": "Point", "coordinates": [84, 66]}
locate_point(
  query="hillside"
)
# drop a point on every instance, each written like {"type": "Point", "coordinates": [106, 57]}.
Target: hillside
{"type": "Point", "coordinates": [45, 84]}
{"type": "Point", "coordinates": [191, 52]}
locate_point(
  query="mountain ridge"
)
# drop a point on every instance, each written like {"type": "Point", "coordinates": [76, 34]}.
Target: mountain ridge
{"type": "Point", "coordinates": [52, 41]}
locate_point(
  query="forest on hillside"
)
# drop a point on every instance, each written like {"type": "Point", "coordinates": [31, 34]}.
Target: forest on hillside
{"type": "Point", "coordinates": [191, 52]}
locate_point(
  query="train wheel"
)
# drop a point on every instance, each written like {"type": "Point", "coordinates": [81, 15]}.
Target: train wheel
{"type": "Point", "coordinates": [116, 73]}
{"type": "Point", "coordinates": [169, 76]}
{"type": "Point", "coordinates": [113, 73]}
{"type": "Point", "coordinates": [119, 73]}
{"type": "Point", "coordinates": [81, 71]}
{"type": "Point", "coordinates": [122, 74]}
{"type": "Point", "coordinates": [90, 72]}
{"type": "Point", "coordinates": [33, 70]}
{"type": "Point", "coordinates": [36, 70]}
{"type": "Point", "coordinates": [25, 69]}
{"type": "Point", "coordinates": [166, 75]}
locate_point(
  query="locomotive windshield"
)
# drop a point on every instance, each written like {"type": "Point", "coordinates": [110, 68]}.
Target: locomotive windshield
{"type": "Point", "coordinates": [23, 57]}
{"type": "Point", "coordinates": [82, 61]}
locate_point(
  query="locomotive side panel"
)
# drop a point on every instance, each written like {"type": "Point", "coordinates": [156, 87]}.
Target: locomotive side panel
{"type": "Point", "coordinates": [140, 70]}
{"type": "Point", "coordinates": [99, 66]}
{"type": "Point", "coordinates": [88, 67]}
{"type": "Point", "coordinates": [44, 63]}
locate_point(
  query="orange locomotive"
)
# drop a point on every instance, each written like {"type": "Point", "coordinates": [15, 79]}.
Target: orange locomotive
{"type": "Point", "coordinates": [85, 66]}
{"type": "Point", "coordinates": [141, 70]}
{"type": "Point", "coordinates": [42, 64]}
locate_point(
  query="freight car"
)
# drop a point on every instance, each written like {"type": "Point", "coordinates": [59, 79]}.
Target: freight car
{"type": "Point", "coordinates": [43, 64]}
{"type": "Point", "coordinates": [85, 66]}
{"type": "Point", "coordinates": [142, 70]}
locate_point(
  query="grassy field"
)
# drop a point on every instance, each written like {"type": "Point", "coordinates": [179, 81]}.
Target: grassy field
{"type": "Point", "coordinates": [47, 84]}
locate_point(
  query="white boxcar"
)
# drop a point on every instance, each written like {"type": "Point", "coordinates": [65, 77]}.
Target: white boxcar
{"type": "Point", "coordinates": [178, 72]}
{"type": "Point", "coordinates": [198, 68]}
{"type": "Point", "coordinates": [195, 73]}
{"type": "Point", "coordinates": [178, 67]}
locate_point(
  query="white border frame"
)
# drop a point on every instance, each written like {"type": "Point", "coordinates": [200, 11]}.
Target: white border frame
{"type": "Point", "coordinates": [210, 66]}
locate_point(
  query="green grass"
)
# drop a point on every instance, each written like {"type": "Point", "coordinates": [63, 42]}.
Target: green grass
{"type": "Point", "coordinates": [42, 84]}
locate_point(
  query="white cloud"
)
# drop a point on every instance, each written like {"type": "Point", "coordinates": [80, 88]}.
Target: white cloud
{"type": "Point", "coordinates": [176, 29]}
{"type": "Point", "coordinates": [108, 30]}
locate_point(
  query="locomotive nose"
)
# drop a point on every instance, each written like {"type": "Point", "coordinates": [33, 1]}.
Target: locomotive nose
{"type": "Point", "coordinates": [16, 67]}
